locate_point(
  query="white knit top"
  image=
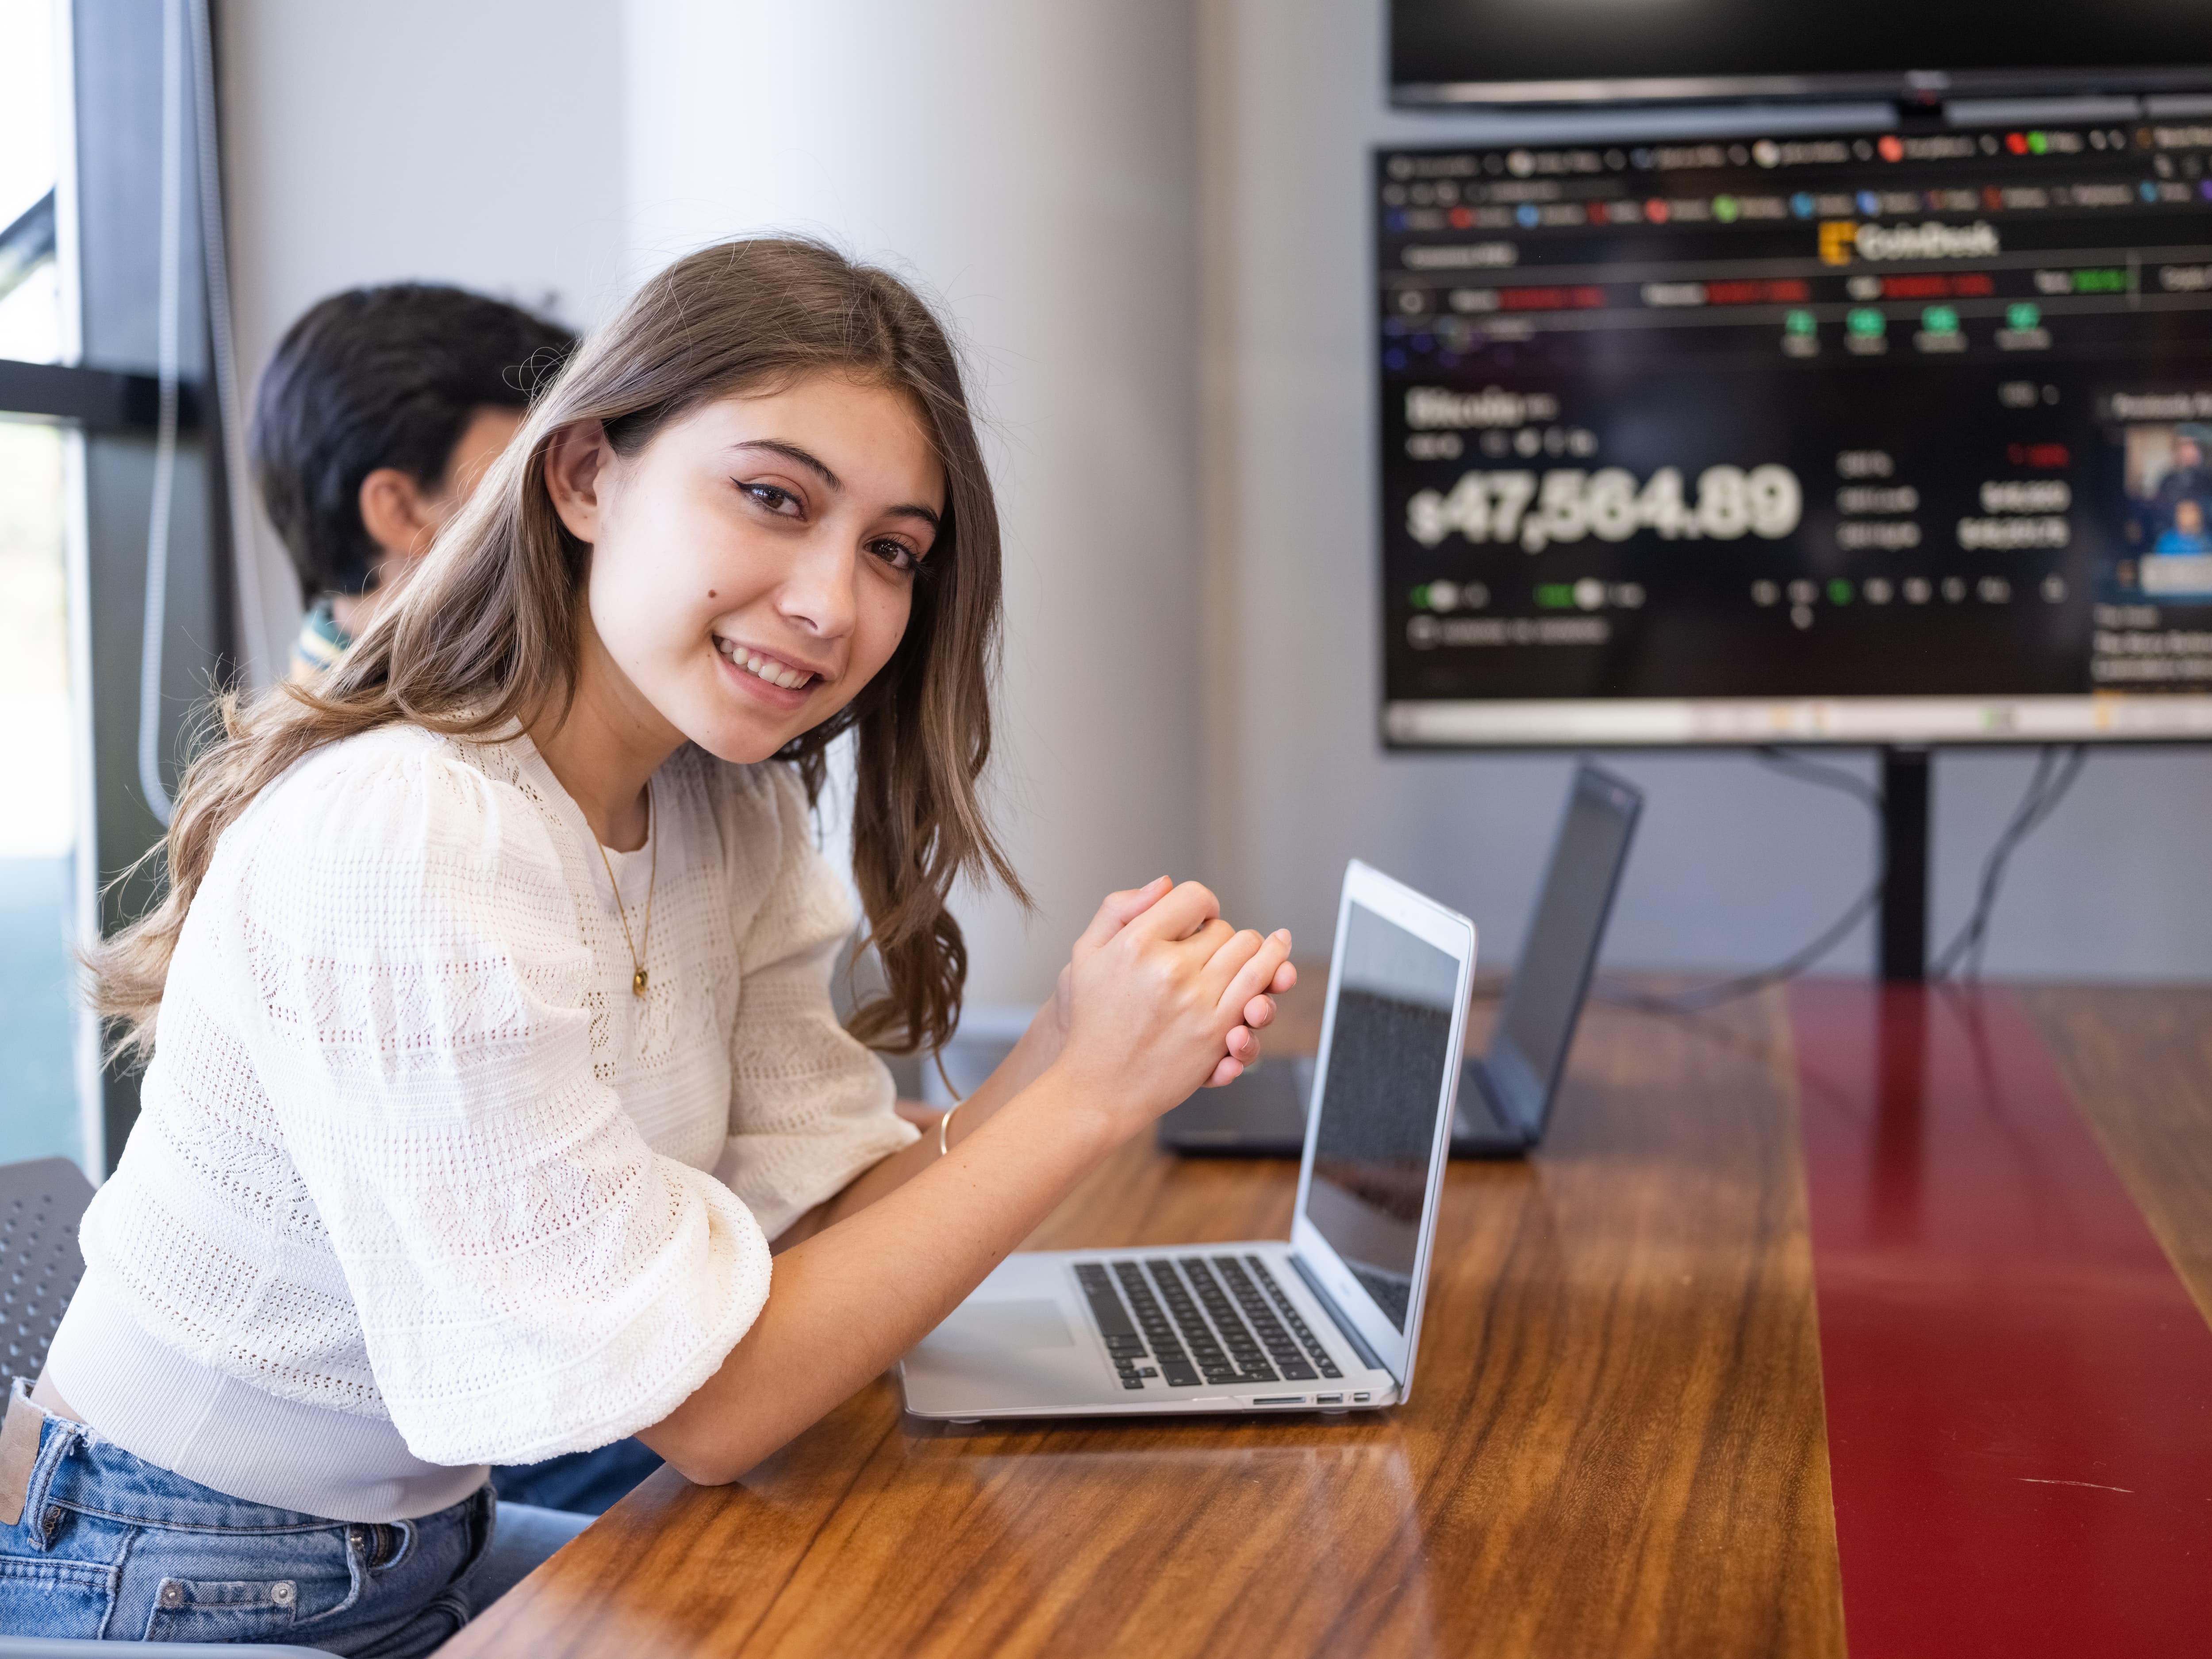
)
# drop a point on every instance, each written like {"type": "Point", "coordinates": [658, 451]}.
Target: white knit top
{"type": "Point", "coordinates": [418, 1184]}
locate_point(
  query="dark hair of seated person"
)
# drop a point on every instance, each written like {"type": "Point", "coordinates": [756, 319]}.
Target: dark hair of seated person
{"type": "Point", "coordinates": [382, 377]}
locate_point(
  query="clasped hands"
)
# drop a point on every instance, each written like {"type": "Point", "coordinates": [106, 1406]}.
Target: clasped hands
{"type": "Point", "coordinates": [1161, 996]}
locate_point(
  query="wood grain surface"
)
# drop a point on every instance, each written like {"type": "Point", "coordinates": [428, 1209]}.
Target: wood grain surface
{"type": "Point", "coordinates": [2139, 1061]}
{"type": "Point", "coordinates": [1614, 1444]}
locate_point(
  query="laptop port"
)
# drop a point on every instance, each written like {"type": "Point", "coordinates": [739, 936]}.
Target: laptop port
{"type": "Point", "coordinates": [1281, 1399]}
{"type": "Point", "coordinates": [1361, 1399]}
{"type": "Point", "coordinates": [1329, 1400]}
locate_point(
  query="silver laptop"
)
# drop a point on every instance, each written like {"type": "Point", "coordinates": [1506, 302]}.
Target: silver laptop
{"type": "Point", "coordinates": [1326, 1320]}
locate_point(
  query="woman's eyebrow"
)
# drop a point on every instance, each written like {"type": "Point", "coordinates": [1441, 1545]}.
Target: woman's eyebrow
{"type": "Point", "coordinates": [814, 464]}
{"type": "Point", "coordinates": [792, 452]}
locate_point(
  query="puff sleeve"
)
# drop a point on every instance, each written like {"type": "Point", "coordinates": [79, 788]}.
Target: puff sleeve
{"type": "Point", "coordinates": [531, 1277]}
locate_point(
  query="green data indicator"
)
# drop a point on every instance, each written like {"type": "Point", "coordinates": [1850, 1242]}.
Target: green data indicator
{"type": "Point", "coordinates": [1865, 322]}
{"type": "Point", "coordinates": [2023, 316]}
{"type": "Point", "coordinates": [1798, 322]}
{"type": "Point", "coordinates": [1940, 319]}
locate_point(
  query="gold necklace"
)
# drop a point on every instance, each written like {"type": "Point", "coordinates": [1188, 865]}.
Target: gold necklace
{"type": "Point", "coordinates": [636, 964]}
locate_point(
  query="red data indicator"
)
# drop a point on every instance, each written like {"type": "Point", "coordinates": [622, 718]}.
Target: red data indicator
{"type": "Point", "coordinates": [1787, 291]}
{"type": "Point", "coordinates": [1967, 285]}
{"type": "Point", "coordinates": [1586, 297]}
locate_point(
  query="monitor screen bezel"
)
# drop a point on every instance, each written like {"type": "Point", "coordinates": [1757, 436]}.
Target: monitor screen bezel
{"type": "Point", "coordinates": [1995, 722]}
{"type": "Point", "coordinates": [1626, 724]}
{"type": "Point", "coordinates": [1924, 87]}
{"type": "Point", "coordinates": [1453, 933]}
{"type": "Point", "coordinates": [1911, 87]}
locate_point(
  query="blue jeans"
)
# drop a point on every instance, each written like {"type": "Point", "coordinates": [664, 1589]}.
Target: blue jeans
{"type": "Point", "coordinates": [109, 1545]}
{"type": "Point", "coordinates": [587, 1483]}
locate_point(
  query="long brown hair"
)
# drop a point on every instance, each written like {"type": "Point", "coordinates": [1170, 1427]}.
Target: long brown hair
{"type": "Point", "coordinates": [487, 630]}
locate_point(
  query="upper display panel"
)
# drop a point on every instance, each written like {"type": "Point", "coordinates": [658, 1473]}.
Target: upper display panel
{"type": "Point", "coordinates": [1859, 438]}
{"type": "Point", "coordinates": [1569, 52]}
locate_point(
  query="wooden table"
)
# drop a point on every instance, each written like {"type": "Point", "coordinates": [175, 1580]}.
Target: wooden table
{"type": "Point", "coordinates": [1616, 1442]}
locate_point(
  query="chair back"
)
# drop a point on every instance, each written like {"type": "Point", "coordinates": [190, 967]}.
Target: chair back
{"type": "Point", "coordinates": [42, 1199]}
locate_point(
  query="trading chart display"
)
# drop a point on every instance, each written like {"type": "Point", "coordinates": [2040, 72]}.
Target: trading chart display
{"type": "Point", "coordinates": [1860, 438]}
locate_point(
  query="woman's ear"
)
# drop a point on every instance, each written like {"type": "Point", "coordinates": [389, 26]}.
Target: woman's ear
{"type": "Point", "coordinates": [575, 464]}
{"type": "Point", "coordinates": [398, 516]}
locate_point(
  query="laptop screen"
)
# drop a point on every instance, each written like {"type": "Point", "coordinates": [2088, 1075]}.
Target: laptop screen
{"type": "Point", "coordinates": [1377, 1131]}
{"type": "Point", "coordinates": [1538, 1021]}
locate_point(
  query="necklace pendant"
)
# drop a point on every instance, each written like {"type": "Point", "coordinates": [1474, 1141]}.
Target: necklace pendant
{"type": "Point", "coordinates": [637, 983]}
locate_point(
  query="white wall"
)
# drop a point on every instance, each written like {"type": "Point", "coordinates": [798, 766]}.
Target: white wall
{"type": "Point", "coordinates": [1734, 866]}
{"type": "Point", "coordinates": [477, 144]}
{"type": "Point", "coordinates": [1096, 190]}
{"type": "Point", "coordinates": [1031, 167]}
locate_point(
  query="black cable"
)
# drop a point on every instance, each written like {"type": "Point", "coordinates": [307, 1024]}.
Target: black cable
{"type": "Point", "coordinates": [2056, 769]}
{"type": "Point", "coordinates": [1976, 923]}
{"type": "Point", "coordinates": [1702, 997]}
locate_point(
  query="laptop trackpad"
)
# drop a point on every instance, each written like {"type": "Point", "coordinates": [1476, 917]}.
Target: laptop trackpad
{"type": "Point", "coordinates": [995, 1326]}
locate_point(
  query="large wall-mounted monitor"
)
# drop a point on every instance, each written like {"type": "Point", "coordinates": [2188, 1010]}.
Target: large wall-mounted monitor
{"type": "Point", "coordinates": [1853, 438]}
{"type": "Point", "coordinates": [1573, 52]}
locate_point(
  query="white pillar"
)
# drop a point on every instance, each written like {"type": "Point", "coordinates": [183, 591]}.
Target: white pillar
{"type": "Point", "coordinates": [413, 140]}
{"type": "Point", "coordinates": [1031, 167]}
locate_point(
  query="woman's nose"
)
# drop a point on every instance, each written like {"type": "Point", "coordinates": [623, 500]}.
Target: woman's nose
{"type": "Point", "coordinates": [816, 593]}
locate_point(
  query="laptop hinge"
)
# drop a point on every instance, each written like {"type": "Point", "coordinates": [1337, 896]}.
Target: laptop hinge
{"type": "Point", "coordinates": [1344, 1326]}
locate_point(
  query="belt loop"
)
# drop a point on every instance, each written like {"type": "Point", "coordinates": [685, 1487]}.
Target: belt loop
{"type": "Point", "coordinates": [19, 1450]}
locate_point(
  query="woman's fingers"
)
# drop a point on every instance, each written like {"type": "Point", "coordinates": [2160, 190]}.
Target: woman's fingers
{"type": "Point", "coordinates": [1232, 949]}
{"type": "Point", "coordinates": [1243, 1055]}
{"type": "Point", "coordinates": [1178, 914]}
{"type": "Point", "coordinates": [1256, 971]}
{"type": "Point", "coordinates": [1119, 909]}
{"type": "Point", "coordinates": [1208, 942]}
{"type": "Point", "coordinates": [1260, 1012]}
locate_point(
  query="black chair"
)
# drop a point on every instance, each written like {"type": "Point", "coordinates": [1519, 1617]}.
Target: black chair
{"type": "Point", "coordinates": [41, 1202]}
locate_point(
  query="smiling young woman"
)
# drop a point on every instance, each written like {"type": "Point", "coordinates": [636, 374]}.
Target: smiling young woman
{"type": "Point", "coordinates": [495, 1037]}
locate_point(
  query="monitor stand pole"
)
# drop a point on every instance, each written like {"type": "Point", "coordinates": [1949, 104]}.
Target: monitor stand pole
{"type": "Point", "coordinates": [1902, 942]}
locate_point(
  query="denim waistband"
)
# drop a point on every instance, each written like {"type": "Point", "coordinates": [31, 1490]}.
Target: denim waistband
{"type": "Point", "coordinates": [106, 1544]}
{"type": "Point", "coordinates": [76, 1469]}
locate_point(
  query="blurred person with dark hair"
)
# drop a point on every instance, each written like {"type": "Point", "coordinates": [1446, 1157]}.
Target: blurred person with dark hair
{"type": "Point", "coordinates": [382, 411]}
{"type": "Point", "coordinates": [2186, 480]}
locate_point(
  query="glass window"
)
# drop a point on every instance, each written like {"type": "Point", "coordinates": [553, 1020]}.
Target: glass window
{"type": "Point", "coordinates": [30, 150]}
{"type": "Point", "coordinates": [39, 1113]}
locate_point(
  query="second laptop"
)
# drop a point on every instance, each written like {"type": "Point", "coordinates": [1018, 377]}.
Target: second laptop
{"type": "Point", "coordinates": [1505, 1094]}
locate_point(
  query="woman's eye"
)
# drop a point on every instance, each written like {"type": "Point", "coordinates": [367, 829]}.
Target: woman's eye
{"type": "Point", "coordinates": [773, 497]}
{"type": "Point", "coordinates": [898, 555]}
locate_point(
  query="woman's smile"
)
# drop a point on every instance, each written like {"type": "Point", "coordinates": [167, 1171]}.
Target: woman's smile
{"type": "Point", "coordinates": [783, 682]}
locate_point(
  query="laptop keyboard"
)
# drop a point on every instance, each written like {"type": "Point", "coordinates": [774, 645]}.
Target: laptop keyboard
{"type": "Point", "coordinates": [1220, 1320]}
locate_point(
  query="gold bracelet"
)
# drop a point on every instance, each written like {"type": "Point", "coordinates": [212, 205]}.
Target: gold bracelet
{"type": "Point", "coordinates": [944, 1129]}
